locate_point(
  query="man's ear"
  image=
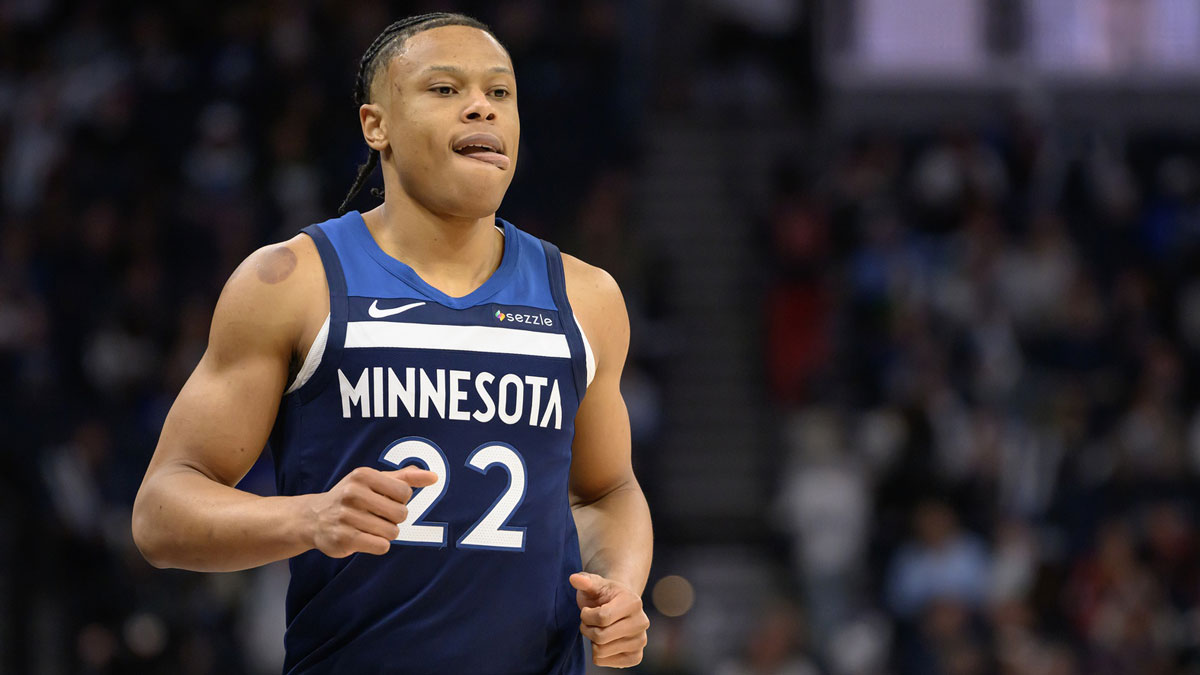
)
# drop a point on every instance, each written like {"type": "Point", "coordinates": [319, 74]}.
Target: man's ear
{"type": "Point", "coordinates": [374, 129]}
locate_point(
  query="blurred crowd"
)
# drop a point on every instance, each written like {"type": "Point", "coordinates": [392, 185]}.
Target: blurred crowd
{"type": "Point", "coordinates": [980, 338]}
{"type": "Point", "coordinates": [993, 421]}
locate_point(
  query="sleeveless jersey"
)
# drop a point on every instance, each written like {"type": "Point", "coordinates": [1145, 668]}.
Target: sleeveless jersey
{"type": "Point", "coordinates": [483, 391]}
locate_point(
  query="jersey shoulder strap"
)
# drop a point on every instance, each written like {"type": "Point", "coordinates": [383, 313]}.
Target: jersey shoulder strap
{"type": "Point", "coordinates": [336, 280]}
{"type": "Point", "coordinates": [558, 290]}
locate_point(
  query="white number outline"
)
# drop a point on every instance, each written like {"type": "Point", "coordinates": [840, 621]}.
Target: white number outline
{"type": "Point", "coordinates": [423, 499]}
{"type": "Point", "coordinates": [489, 516]}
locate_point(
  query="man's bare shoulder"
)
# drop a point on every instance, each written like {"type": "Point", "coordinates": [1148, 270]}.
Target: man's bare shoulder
{"type": "Point", "coordinates": [278, 263]}
{"type": "Point", "coordinates": [598, 304]}
{"type": "Point", "coordinates": [276, 297]}
{"type": "Point", "coordinates": [589, 287]}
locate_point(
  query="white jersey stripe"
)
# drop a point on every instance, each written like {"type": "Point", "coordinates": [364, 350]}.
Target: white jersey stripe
{"type": "Point", "coordinates": [490, 339]}
{"type": "Point", "coordinates": [318, 349]}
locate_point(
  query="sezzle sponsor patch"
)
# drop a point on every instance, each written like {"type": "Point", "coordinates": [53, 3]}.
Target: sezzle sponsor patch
{"type": "Point", "coordinates": [530, 319]}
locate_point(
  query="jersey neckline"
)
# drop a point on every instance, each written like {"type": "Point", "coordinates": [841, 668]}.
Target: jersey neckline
{"type": "Point", "coordinates": [493, 284]}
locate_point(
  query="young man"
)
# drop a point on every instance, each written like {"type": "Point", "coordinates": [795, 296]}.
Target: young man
{"type": "Point", "coordinates": [420, 370]}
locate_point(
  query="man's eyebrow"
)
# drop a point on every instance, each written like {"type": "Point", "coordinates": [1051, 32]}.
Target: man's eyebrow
{"type": "Point", "coordinates": [459, 71]}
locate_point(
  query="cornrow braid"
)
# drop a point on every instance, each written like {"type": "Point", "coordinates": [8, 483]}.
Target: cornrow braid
{"type": "Point", "coordinates": [378, 55]}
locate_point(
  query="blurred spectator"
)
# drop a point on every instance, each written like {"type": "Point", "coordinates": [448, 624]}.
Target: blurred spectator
{"type": "Point", "coordinates": [1117, 606]}
{"type": "Point", "coordinates": [826, 507]}
{"type": "Point", "coordinates": [775, 647]}
{"type": "Point", "coordinates": [940, 563]}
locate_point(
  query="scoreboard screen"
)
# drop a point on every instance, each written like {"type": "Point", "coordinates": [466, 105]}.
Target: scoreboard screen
{"type": "Point", "coordinates": [983, 39]}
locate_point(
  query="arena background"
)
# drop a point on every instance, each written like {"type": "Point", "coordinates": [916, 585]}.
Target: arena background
{"type": "Point", "coordinates": [913, 287]}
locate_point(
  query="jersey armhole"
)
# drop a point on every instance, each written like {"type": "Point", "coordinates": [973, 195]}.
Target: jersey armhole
{"type": "Point", "coordinates": [588, 355]}
{"type": "Point", "coordinates": [325, 352]}
{"type": "Point", "coordinates": [312, 359]}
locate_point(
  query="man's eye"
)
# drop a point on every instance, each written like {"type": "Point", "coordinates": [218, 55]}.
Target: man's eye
{"type": "Point", "coordinates": [500, 93]}
{"type": "Point", "coordinates": [444, 90]}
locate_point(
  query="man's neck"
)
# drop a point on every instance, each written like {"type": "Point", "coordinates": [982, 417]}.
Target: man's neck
{"type": "Point", "coordinates": [454, 255]}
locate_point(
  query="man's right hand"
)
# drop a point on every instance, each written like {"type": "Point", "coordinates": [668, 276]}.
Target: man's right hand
{"type": "Point", "coordinates": [361, 513]}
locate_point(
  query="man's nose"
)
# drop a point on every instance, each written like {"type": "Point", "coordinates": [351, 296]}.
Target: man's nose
{"type": "Point", "coordinates": [479, 107]}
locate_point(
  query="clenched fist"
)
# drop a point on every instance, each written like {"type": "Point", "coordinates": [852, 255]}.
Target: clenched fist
{"type": "Point", "coordinates": [611, 616]}
{"type": "Point", "coordinates": [360, 514]}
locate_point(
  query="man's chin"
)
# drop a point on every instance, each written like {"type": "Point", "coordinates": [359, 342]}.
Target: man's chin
{"type": "Point", "coordinates": [476, 199]}
{"type": "Point", "coordinates": [474, 208]}
{"type": "Point", "coordinates": [461, 194]}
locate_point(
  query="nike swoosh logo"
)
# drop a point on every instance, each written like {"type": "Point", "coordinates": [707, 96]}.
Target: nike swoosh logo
{"type": "Point", "coordinates": [377, 313]}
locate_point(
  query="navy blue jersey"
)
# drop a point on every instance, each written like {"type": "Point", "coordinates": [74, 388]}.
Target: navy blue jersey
{"type": "Point", "coordinates": [483, 391]}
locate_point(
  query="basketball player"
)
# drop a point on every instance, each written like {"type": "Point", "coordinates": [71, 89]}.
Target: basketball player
{"type": "Point", "coordinates": [440, 394]}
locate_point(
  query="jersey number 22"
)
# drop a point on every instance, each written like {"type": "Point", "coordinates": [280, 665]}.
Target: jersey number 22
{"type": "Point", "coordinates": [489, 532]}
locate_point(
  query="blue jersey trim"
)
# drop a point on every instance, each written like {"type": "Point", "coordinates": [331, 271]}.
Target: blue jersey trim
{"type": "Point", "coordinates": [558, 289]}
{"type": "Point", "coordinates": [336, 280]}
{"type": "Point", "coordinates": [357, 230]}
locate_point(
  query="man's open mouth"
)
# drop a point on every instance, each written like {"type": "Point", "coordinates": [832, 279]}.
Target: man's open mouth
{"type": "Point", "coordinates": [484, 148]}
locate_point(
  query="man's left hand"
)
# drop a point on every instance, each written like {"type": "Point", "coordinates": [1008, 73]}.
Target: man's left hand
{"type": "Point", "coordinates": [611, 616]}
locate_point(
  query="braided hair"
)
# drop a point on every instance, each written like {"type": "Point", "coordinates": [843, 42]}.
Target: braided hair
{"type": "Point", "coordinates": [378, 55]}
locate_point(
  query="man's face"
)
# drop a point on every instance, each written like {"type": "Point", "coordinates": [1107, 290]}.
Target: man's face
{"type": "Point", "coordinates": [449, 112]}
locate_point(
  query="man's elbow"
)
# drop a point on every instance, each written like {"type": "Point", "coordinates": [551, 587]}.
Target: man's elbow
{"type": "Point", "coordinates": [598, 494]}
{"type": "Point", "coordinates": [148, 530]}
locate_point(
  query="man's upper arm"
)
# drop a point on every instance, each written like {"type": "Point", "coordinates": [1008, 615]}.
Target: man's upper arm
{"type": "Point", "coordinates": [220, 421]}
{"type": "Point", "coordinates": [601, 451]}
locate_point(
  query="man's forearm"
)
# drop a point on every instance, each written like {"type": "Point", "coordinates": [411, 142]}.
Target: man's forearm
{"type": "Point", "coordinates": [186, 520]}
{"type": "Point", "coordinates": [615, 536]}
